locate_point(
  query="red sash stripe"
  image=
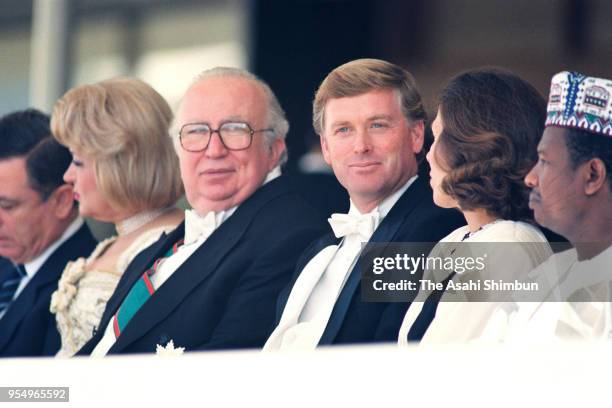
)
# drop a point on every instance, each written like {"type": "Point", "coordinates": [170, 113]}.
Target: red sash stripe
{"type": "Point", "coordinates": [147, 282]}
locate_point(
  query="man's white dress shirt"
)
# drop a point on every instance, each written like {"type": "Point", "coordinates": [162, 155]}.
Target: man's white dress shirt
{"type": "Point", "coordinates": [35, 264]}
{"type": "Point", "coordinates": [320, 283]}
{"type": "Point", "coordinates": [198, 229]}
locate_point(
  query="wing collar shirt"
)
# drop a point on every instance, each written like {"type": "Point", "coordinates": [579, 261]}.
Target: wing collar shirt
{"type": "Point", "coordinates": [320, 283]}
{"type": "Point", "coordinates": [198, 229]}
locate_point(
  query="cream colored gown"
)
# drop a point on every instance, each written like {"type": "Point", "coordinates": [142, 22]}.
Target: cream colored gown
{"type": "Point", "coordinates": [81, 297]}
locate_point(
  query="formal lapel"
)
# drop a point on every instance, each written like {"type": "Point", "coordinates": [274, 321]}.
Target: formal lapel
{"type": "Point", "coordinates": [199, 266]}
{"type": "Point", "coordinates": [23, 304]}
{"type": "Point", "coordinates": [385, 233]}
{"type": "Point", "coordinates": [322, 243]}
{"type": "Point", "coordinates": [136, 269]}
{"type": "Point", "coordinates": [49, 273]}
{"type": "Point", "coordinates": [301, 290]}
{"type": "Point", "coordinates": [17, 311]}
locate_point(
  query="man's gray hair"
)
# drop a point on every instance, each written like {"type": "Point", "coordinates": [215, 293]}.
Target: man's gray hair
{"type": "Point", "coordinates": [277, 119]}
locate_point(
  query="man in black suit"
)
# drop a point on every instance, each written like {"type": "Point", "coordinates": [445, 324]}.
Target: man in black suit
{"type": "Point", "coordinates": [40, 231]}
{"type": "Point", "coordinates": [371, 122]}
{"type": "Point", "coordinates": [214, 281]}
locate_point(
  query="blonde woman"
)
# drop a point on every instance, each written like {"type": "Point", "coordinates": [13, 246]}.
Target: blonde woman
{"type": "Point", "coordinates": [124, 171]}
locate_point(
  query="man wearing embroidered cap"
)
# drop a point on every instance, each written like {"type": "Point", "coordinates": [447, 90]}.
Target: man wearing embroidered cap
{"type": "Point", "coordinates": [213, 282]}
{"type": "Point", "coordinates": [572, 195]}
{"type": "Point", "coordinates": [371, 121]}
{"type": "Point", "coordinates": [572, 181]}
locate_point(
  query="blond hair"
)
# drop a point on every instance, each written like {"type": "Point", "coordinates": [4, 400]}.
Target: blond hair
{"type": "Point", "coordinates": [365, 75]}
{"type": "Point", "coordinates": [122, 123]}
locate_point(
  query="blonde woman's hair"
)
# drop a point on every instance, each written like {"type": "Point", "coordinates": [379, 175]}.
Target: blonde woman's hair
{"type": "Point", "coordinates": [122, 124]}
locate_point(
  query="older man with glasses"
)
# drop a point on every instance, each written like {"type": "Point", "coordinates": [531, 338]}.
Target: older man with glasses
{"type": "Point", "coordinates": [213, 282]}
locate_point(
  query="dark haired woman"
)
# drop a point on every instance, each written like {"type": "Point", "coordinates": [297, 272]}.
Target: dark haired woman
{"type": "Point", "coordinates": [486, 131]}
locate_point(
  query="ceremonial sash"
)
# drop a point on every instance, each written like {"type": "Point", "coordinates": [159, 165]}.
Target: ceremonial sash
{"type": "Point", "coordinates": [139, 294]}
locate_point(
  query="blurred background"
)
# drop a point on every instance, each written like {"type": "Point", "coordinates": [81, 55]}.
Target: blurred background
{"type": "Point", "coordinates": [48, 46]}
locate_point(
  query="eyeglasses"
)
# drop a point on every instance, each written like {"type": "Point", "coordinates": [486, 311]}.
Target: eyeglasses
{"type": "Point", "coordinates": [195, 137]}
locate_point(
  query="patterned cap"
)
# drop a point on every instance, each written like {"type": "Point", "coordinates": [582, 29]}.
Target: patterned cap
{"type": "Point", "coordinates": [581, 102]}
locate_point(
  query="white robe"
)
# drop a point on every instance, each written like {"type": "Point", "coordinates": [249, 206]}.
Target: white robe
{"type": "Point", "coordinates": [578, 307]}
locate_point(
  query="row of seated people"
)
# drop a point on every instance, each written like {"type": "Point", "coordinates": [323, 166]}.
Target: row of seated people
{"type": "Point", "coordinates": [255, 262]}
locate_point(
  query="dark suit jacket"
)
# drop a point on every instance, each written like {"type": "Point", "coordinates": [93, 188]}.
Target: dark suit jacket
{"type": "Point", "coordinates": [322, 191]}
{"type": "Point", "coordinates": [414, 218]}
{"type": "Point", "coordinates": [224, 295]}
{"type": "Point", "coordinates": [28, 328]}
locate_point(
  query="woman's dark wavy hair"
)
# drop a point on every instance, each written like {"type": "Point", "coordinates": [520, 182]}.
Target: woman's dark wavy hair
{"type": "Point", "coordinates": [492, 123]}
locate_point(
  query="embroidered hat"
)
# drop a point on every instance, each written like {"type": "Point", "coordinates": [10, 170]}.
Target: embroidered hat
{"type": "Point", "coordinates": [578, 101]}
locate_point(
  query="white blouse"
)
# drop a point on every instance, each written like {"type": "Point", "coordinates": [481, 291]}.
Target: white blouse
{"type": "Point", "coordinates": [81, 296]}
{"type": "Point", "coordinates": [464, 319]}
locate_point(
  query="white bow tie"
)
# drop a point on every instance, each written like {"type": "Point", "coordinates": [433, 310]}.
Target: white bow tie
{"type": "Point", "coordinates": [197, 226]}
{"type": "Point", "coordinates": [347, 224]}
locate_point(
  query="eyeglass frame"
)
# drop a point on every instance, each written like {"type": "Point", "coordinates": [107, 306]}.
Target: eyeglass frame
{"type": "Point", "coordinates": [218, 131]}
